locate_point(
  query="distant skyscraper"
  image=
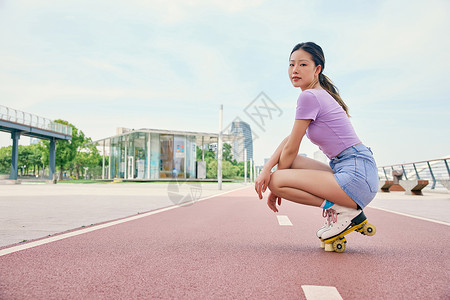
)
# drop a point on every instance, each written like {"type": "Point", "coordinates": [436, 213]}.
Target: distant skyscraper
{"type": "Point", "coordinates": [239, 128]}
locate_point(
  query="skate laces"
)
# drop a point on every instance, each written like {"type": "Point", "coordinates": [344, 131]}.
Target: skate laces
{"type": "Point", "coordinates": [331, 215]}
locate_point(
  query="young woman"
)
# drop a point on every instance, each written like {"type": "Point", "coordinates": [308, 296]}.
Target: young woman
{"type": "Point", "coordinates": [350, 182]}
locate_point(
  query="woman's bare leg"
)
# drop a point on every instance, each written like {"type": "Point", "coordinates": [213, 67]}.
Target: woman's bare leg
{"type": "Point", "coordinates": [302, 162]}
{"type": "Point", "coordinates": [308, 186]}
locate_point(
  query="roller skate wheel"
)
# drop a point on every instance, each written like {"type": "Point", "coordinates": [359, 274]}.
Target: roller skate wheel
{"type": "Point", "coordinates": [322, 244]}
{"type": "Point", "coordinates": [339, 245]}
{"type": "Point", "coordinates": [369, 229]}
{"type": "Point", "coordinates": [329, 247]}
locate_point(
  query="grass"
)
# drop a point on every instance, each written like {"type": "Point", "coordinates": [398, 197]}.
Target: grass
{"type": "Point", "coordinates": [83, 181]}
{"type": "Point", "coordinates": [88, 181]}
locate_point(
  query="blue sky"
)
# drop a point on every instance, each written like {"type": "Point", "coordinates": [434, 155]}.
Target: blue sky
{"type": "Point", "coordinates": [169, 65]}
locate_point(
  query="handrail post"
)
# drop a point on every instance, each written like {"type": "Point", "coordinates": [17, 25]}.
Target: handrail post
{"type": "Point", "coordinates": [432, 176]}
{"type": "Point", "coordinates": [448, 169]}
{"type": "Point", "coordinates": [417, 173]}
{"type": "Point", "coordinates": [404, 172]}
{"type": "Point", "coordinates": [385, 175]}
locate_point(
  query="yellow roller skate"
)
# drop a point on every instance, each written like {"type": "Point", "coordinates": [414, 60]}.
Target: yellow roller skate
{"type": "Point", "coordinates": [343, 221]}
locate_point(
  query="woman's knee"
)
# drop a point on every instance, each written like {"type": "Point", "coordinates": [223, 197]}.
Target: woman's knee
{"type": "Point", "coordinates": [274, 183]}
{"type": "Point", "coordinates": [276, 180]}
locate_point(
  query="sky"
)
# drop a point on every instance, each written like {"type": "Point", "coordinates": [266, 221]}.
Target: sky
{"type": "Point", "coordinates": [171, 64]}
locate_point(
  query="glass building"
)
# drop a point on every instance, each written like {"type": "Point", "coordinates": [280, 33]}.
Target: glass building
{"type": "Point", "coordinates": [242, 129]}
{"type": "Point", "coordinates": [149, 154]}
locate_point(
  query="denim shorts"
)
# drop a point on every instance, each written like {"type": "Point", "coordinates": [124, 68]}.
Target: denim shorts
{"type": "Point", "coordinates": [356, 172]}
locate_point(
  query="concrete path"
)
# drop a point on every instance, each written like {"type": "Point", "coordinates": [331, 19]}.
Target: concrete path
{"type": "Point", "coordinates": [232, 247]}
{"type": "Point", "coordinates": [431, 205]}
{"type": "Point", "coordinates": [29, 211]}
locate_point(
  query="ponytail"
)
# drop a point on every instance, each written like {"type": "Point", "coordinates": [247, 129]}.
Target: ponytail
{"type": "Point", "coordinates": [328, 85]}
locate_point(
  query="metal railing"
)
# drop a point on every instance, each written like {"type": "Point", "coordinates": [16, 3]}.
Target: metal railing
{"type": "Point", "coordinates": [431, 170]}
{"type": "Point", "coordinates": [23, 118]}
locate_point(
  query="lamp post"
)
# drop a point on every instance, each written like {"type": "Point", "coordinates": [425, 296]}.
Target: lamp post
{"type": "Point", "coordinates": [219, 150]}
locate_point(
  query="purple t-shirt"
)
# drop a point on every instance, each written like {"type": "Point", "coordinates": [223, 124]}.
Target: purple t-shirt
{"type": "Point", "coordinates": [330, 128]}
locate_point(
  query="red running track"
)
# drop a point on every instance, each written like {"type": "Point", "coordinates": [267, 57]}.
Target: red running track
{"type": "Point", "coordinates": [232, 247]}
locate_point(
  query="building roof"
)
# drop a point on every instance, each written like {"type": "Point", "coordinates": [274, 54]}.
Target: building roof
{"type": "Point", "coordinates": [206, 138]}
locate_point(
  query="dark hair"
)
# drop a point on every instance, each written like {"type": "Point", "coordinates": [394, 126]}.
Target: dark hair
{"type": "Point", "coordinates": [319, 59]}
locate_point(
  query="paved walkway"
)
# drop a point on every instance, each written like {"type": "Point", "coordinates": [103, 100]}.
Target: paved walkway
{"type": "Point", "coordinates": [230, 246]}
{"type": "Point", "coordinates": [431, 205]}
{"type": "Point", "coordinates": [31, 211]}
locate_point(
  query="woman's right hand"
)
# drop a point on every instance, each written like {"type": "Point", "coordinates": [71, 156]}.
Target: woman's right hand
{"type": "Point", "coordinates": [272, 201]}
{"type": "Point", "coordinates": [262, 182]}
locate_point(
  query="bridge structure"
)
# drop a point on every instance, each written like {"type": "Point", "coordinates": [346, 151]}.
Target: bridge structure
{"type": "Point", "coordinates": [19, 123]}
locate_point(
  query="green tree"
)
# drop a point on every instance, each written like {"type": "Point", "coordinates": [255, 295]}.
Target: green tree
{"type": "Point", "coordinates": [87, 156]}
{"type": "Point", "coordinates": [229, 170]}
{"type": "Point", "coordinates": [43, 147]}
{"type": "Point", "coordinates": [241, 172]}
{"type": "Point", "coordinates": [226, 153]}
{"type": "Point", "coordinates": [208, 153]}
{"type": "Point", "coordinates": [211, 167]}
{"type": "Point", "coordinates": [5, 159]}
{"type": "Point", "coordinates": [35, 158]}
{"type": "Point", "coordinates": [66, 151]}
{"type": "Point", "coordinates": [27, 158]}
{"type": "Point", "coordinates": [230, 167]}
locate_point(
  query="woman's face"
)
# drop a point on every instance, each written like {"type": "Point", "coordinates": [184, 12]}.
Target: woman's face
{"type": "Point", "coordinates": [302, 70]}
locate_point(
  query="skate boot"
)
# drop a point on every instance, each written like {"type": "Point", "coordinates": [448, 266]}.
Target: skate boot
{"type": "Point", "coordinates": [329, 216]}
{"type": "Point", "coordinates": [345, 221]}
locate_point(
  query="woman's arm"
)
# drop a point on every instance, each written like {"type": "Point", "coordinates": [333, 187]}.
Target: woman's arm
{"type": "Point", "coordinates": [284, 155]}
{"type": "Point", "coordinates": [262, 182]}
{"type": "Point", "coordinates": [275, 156]}
{"type": "Point", "coordinates": [290, 149]}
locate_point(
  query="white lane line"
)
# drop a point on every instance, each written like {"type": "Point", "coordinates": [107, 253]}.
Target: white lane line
{"type": "Point", "coordinates": [97, 227]}
{"type": "Point", "coordinates": [284, 221]}
{"type": "Point", "coordinates": [315, 292]}
{"type": "Point", "coordinates": [411, 216]}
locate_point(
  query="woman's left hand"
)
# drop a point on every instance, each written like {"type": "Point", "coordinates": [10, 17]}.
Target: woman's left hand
{"type": "Point", "coordinates": [272, 201]}
{"type": "Point", "coordinates": [262, 182]}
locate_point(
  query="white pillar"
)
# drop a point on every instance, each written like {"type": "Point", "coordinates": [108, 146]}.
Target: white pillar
{"type": "Point", "coordinates": [185, 159]}
{"type": "Point", "coordinates": [245, 165]}
{"type": "Point", "coordinates": [219, 149]}
{"type": "Point", "coordinates": [125, 176]}
{"type": "Point", "coordinates": [148, 155]}
{"type": "Point", "coordinates": [103, 162]}
{"type": "Point", "coordinates": [203, 148]}
{"type": "Point", "coordinates": [251, 170]}
{"type": "Point", "coordinates": [110, 154]}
